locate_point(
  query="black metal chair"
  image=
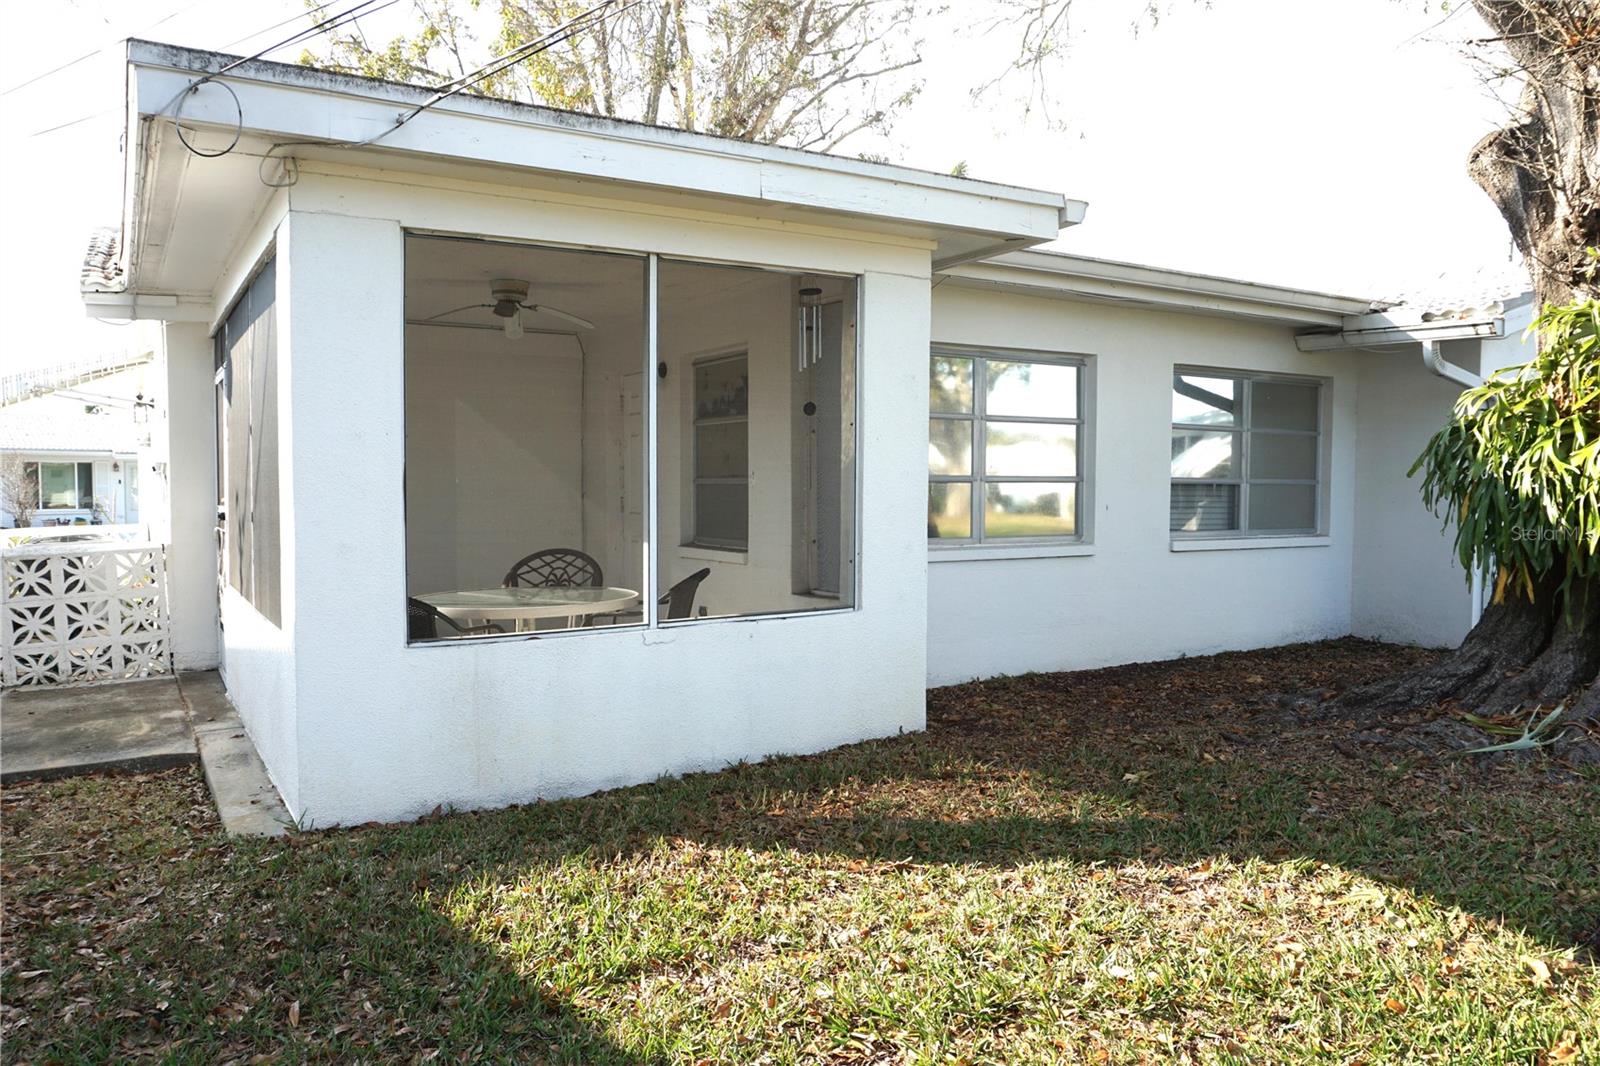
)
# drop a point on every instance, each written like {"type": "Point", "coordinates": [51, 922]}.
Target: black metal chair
{"type": "Point", "coordinates": [678, 600]}
{"type": "Point", "coordinates": [555, 568]}
{"type": "Point", "coordinates": [423, 618]}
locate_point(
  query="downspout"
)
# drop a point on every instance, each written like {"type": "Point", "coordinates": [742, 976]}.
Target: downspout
{"type": "Point", "coordinates": [1433, 358]}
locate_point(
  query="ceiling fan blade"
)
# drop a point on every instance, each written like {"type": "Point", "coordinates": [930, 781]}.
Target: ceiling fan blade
{"type": "Point", "coordinates": [457, 310]}
{"type": "Point", "coordinates": [574, 319]}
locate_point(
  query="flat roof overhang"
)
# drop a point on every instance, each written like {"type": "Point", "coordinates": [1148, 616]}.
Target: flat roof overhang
{"type": "Point", "coordinates": [184, 213]}
{"type": "Point", "coordinates": [1077, 277]}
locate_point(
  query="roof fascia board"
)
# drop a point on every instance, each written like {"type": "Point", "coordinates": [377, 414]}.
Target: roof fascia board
{"type": "Point", "coordinates": [128, 306]}
{"type": "Point", "coordinates": [1164, 293]}
{"type": "Point", "coordinates": [317, 106]}
{"type": "Point", "coordinates": [1377, 331]}
{"type": "Point", "coordinates": [1181, 282]}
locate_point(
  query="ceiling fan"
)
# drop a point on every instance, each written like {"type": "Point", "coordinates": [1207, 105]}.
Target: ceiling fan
{"type": "Point", "coordinates": [509, 298]}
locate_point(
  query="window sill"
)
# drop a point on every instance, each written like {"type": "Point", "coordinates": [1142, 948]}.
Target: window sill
{"type": "Point", "coordinates": [729, 556]}
{"type": "Point", "coordinates": [972, 553]}
{"type": "Point", "coordinates": [1222, 544]}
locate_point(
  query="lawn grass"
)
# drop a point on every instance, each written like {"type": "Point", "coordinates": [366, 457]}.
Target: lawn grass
{"type": "Point", "coordinates": [1139, 864]}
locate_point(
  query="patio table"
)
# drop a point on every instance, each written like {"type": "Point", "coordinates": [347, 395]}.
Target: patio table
{"type": "Point", "coordinates": [525, 606]}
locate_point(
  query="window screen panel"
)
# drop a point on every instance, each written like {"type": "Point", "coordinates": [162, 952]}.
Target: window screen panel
{"type": "Point", "coordinates": [1283, 405]}
{"type": "Point", "coordinates": [250, 419]}
{"type": "Point", "coordinates": [722, 514]}
{"type": "Point", "coordinates": [1291, 456]}
{"type": "Point", "coordinates": [1283, 508]}
{"type": "Point", "coordinates": [722, 450]}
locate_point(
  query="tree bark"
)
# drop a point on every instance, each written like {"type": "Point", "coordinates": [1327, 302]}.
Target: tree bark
{"type": "Point", "coordinates": [1542, 169]}
{"type": "Point", "coordinates": [1509, 636]}
{"type": "Point", "coordinates": [1521, 651]}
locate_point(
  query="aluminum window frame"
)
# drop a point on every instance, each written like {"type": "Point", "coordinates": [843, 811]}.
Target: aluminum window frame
{"type": "Point", "coordinates": [978, 417]}
{"type": "Point", "coordinates": [1242, 429]}
{"type": "Point", "coordinates": [77, 466]}
{"type": "Point", "coordinates": [653, 590]}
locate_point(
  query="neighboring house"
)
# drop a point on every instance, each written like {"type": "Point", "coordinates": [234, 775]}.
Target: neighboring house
{"type": "Point", "coordinates": [837, 414]}
{"type": "Point", "coordinates": [79, 435]}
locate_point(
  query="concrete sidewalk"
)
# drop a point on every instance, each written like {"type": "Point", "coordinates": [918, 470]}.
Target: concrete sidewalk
{"type": "Point", "coordinates": [56, 732]}
{"type": "Point", "coordinates": [141, 726]}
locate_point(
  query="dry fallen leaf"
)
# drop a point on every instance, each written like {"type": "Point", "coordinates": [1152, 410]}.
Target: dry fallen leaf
{"type": "Point", "coordinates": [294, 1013]}
{"type": "Point", "coordinates": [1563, 1051]}
{"type": "Point", "coordinates": [1395, 1005]}
{"type": "Point", "coordinates": [1538, 969]}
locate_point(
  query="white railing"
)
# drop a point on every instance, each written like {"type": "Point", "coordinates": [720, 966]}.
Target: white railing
{"type": "Point", "coordinates": [40, 380]}
{"type": "Point", "coordinates": [83, 613]}
{"type": "Point", "coordinates": [48, 536]}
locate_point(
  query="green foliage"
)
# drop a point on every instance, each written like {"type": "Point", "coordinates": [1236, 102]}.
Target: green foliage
{"type": "Point", "coordinates": [1518, 467]}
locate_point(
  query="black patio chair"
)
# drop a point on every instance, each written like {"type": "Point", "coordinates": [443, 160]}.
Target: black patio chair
{"type": "Point", "coordinates": [555, 568]}
{"type": "Point", "coordinates": [678, 600]}
{"type": "Point", "coordinates": [680, 597]}
{"type": "Point", "coordinates": [423, 618]}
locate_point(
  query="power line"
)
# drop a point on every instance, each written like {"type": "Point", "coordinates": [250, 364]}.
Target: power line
{"type": "Point", "coordinates": [311, 11]}
{"type": "Point", "coordinates": [90, 55]}
{"type": "Point", "coordinates": [562, 33]}
{"type": "Point", "coordinates": [345, 17]}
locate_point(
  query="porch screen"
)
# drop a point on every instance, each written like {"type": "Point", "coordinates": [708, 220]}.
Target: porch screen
{"type": "Point", "coordinates": [247, 347]}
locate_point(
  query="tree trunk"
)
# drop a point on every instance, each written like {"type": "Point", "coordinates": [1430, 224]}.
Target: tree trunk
{"type": "Point", "coordinates": [1521, 651]}
{"type": "Point", "coordinates": [1508, 637]}
{"type": "Point", "coordinates": [1542, 170]}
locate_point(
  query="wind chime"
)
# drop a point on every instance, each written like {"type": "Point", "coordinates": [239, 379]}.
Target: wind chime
{"type": "Point", "coordinates": [810, 327]}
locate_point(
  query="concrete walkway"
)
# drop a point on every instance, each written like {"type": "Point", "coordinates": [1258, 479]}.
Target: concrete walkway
{"type": "Point", "coordinates": [245, 797]}
{"type": "Point", "coordinates": [56, 732]}
{"type": "Point", "coordinates": [142, 726]}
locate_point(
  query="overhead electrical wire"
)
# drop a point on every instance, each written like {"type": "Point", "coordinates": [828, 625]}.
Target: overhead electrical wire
{"type": "Point", "coordinates": [560, 34]}
{"type": "Point", "coordinates": [90, 55]}
{"type": "Point", "coordinates": [312, 11]}
{"type": "Point", "coordinates": [175, 105]}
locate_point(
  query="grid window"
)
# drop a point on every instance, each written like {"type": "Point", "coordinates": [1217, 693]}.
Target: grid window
{"type": "Point", "coordinates": [1246, 454]}
{"type": "Point", "coordinates": [722, 452]}
{"type": "Point", "coordinates": [63, 486]}
{"type": "Point", "coordinates": [1004, 447]}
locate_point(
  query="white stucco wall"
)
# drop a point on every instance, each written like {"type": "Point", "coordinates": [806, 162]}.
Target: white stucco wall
{"type": "Point", "coordinates": [189, 448]}
{"type": "Point", "coordinates": [1128, 596]}
{"type": "Point", "coordinates": [493, 454]}
{"type": "Point", "coordinates": [1407, 585]}
{"type": "Point", "coordinates": [384, 730]}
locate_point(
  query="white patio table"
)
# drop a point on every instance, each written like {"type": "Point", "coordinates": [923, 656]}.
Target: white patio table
{"type": "Point", "coordinates": [525, 606]}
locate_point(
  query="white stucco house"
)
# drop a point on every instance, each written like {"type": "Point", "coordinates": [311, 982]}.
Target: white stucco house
{"type": "Point", "coordinates": [837, 415]}
{"type": "Point", "coordinates": [78, 434]}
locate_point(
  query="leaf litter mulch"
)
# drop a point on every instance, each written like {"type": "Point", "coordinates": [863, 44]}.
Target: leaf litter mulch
{"type": "Point", "coordinates": [1162, 862]}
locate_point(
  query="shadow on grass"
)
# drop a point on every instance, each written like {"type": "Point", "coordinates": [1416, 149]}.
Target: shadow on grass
{"type": "Point", "coordinates": [392, 942]}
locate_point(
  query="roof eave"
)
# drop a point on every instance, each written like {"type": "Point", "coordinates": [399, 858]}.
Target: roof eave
{"type": "Point", "coordinates": [292, 103]}
{"type": "Point", "coordinates": [1082, 277]}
